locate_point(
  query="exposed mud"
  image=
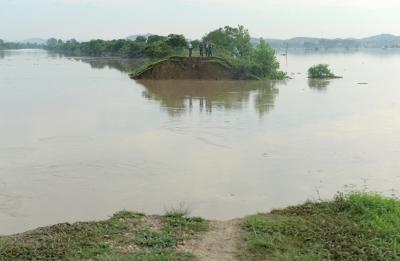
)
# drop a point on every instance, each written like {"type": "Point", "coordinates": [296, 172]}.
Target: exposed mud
{"type": "Point", "coordinates": [195, 68]}
{"type": "Point", "coordinates": [220, 243]}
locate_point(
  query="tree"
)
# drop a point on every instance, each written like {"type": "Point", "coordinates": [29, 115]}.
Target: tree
{"type": "Point", "coordinates": [242, 40]}
{"type": "Point", "coordinates": [71, 47]}
{"type": "Point", "coordinates": [141, 39]}
{"type": "Point", "coordinates": [220, 39]}
{"type": "Point", "coordinates": [158, 49]}
{"type": "Point", "coordinates": [195, 43]}
{"type": "Point", "coordinates": [235, 41]}
{"type": "Point", "coordinates": [264, 60]}
{"type": "Point", "coordinates": [155, 38]}
{"type": "Point", "coordinates": [161, 46]}
{"type": "Point", "coordinates": [133, 49]}
{"type": "Point", "coordinates": [96, 47]}
{"type": "Point", "coordinates": [260, 63]}
{"type": "Point", "coordinates": [176, 41]}
{"type": "Point", "coordinates": [116, 45]}
{"type": "Point", "coordinates": [52, 43]}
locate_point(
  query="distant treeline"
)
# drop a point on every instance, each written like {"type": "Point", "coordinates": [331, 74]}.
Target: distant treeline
{"type": "Point", "coordinates": [154, 46]}
{"type": "Point", "coordinates": [314, 43]}
{"type": "Point", "coordinates": [377, 41]}
{"type": "Point", "coordinates": [227, 41]}
{"type": "Point", "coordinates": [11, 45]}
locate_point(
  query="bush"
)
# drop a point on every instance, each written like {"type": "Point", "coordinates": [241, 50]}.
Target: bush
{"type": "Point", "coordinates": [261, 63]}
{"type": "Point", "coordinates": [320, 71]}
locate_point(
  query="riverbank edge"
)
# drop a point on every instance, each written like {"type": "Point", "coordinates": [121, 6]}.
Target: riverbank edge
{"type": "Point", "coordinates": [195, 67]}
{"type": "Point", "coordinates": [364, 226]}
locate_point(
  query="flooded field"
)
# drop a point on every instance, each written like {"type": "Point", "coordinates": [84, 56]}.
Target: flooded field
{"type": "Point", "coordinates": [79, 140]}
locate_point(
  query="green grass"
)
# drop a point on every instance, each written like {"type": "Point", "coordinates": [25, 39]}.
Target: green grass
{"type": "Point", "coordinates": [150, 256]}
{"type": "Point", "coordinates": [154, 239]}
{"type": "Point", "coordinates": [125, 236]}
{"type": "Point", "coordinates": [164, 256]}
{"type": "Point", "coordinates": [358, 226]}
{"type": "Point", "coordinates": [184, 227]}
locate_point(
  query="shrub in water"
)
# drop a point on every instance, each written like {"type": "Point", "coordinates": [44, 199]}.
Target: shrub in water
{"type": "Point", "coordinates": [320, 71]}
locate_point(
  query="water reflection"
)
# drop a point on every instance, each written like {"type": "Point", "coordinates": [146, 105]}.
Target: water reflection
{"type": "Point", "coordinates": [178, 97]}
{"type": "Point", "coordinates": [2, 55]}
{"type": "Point", "coordinates": [122, 65]}
{"type": "Point", "coordinates": [320, 85]}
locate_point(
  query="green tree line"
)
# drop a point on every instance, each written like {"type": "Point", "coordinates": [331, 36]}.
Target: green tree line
{"type": "Point", "coordinates": [154, 46]}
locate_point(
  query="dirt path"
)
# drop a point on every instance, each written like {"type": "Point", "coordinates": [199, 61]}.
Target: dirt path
{"type": "Point", "coordinates": [220, 243]}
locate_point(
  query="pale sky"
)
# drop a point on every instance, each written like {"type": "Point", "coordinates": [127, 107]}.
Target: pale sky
{"type": "Point", "coordinates": [110, 19]}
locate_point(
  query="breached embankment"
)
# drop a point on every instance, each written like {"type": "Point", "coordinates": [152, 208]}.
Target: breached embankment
{"type": "Point", "coordinates": [185, 68]}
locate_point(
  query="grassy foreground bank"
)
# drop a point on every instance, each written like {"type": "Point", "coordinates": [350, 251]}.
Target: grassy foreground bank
{"type": "Point", "coordinates": [356, 226]}
{"type": "Point", "coordinates": [125, 236]}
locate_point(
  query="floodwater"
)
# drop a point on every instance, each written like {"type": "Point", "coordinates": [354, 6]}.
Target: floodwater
{"type": "Point", "coordinates": [79, 140]}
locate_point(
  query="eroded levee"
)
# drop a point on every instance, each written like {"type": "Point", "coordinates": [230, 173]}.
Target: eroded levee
{"type": "Point", "coordinates": [188, 68]}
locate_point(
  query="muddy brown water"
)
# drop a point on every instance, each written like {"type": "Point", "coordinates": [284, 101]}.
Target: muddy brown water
{"type": "Point", "coordinates": [79, 140]}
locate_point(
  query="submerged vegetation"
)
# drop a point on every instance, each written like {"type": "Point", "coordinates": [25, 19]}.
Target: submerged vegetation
{"type": "Point", "coordinates": [357, 226]}
{"type": "Point", "coordinates": [321, 71]}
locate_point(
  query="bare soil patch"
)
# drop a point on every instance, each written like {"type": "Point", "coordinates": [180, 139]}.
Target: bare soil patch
{"type": "Point", "coordinates": [219, 243]}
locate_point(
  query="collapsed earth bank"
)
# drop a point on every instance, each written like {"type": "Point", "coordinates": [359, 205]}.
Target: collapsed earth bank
{"type": "Point", "coordinates": [194, 68]}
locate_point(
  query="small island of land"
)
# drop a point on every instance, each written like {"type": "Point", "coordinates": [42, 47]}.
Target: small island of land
{"type": "Point", "coordinates": [198, 68]}
{"type": "Point", "coordinates": [231, 55]}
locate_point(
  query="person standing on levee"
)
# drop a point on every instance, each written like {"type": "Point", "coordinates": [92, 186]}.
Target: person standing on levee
{"type": "Point", "coordinates": [190, 47]}
{"type": "Point", "coordinates": [201, 48]}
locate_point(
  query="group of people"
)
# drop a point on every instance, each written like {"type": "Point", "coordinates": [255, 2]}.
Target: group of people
{"type": "Point", "coordinates": [206, 49]}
